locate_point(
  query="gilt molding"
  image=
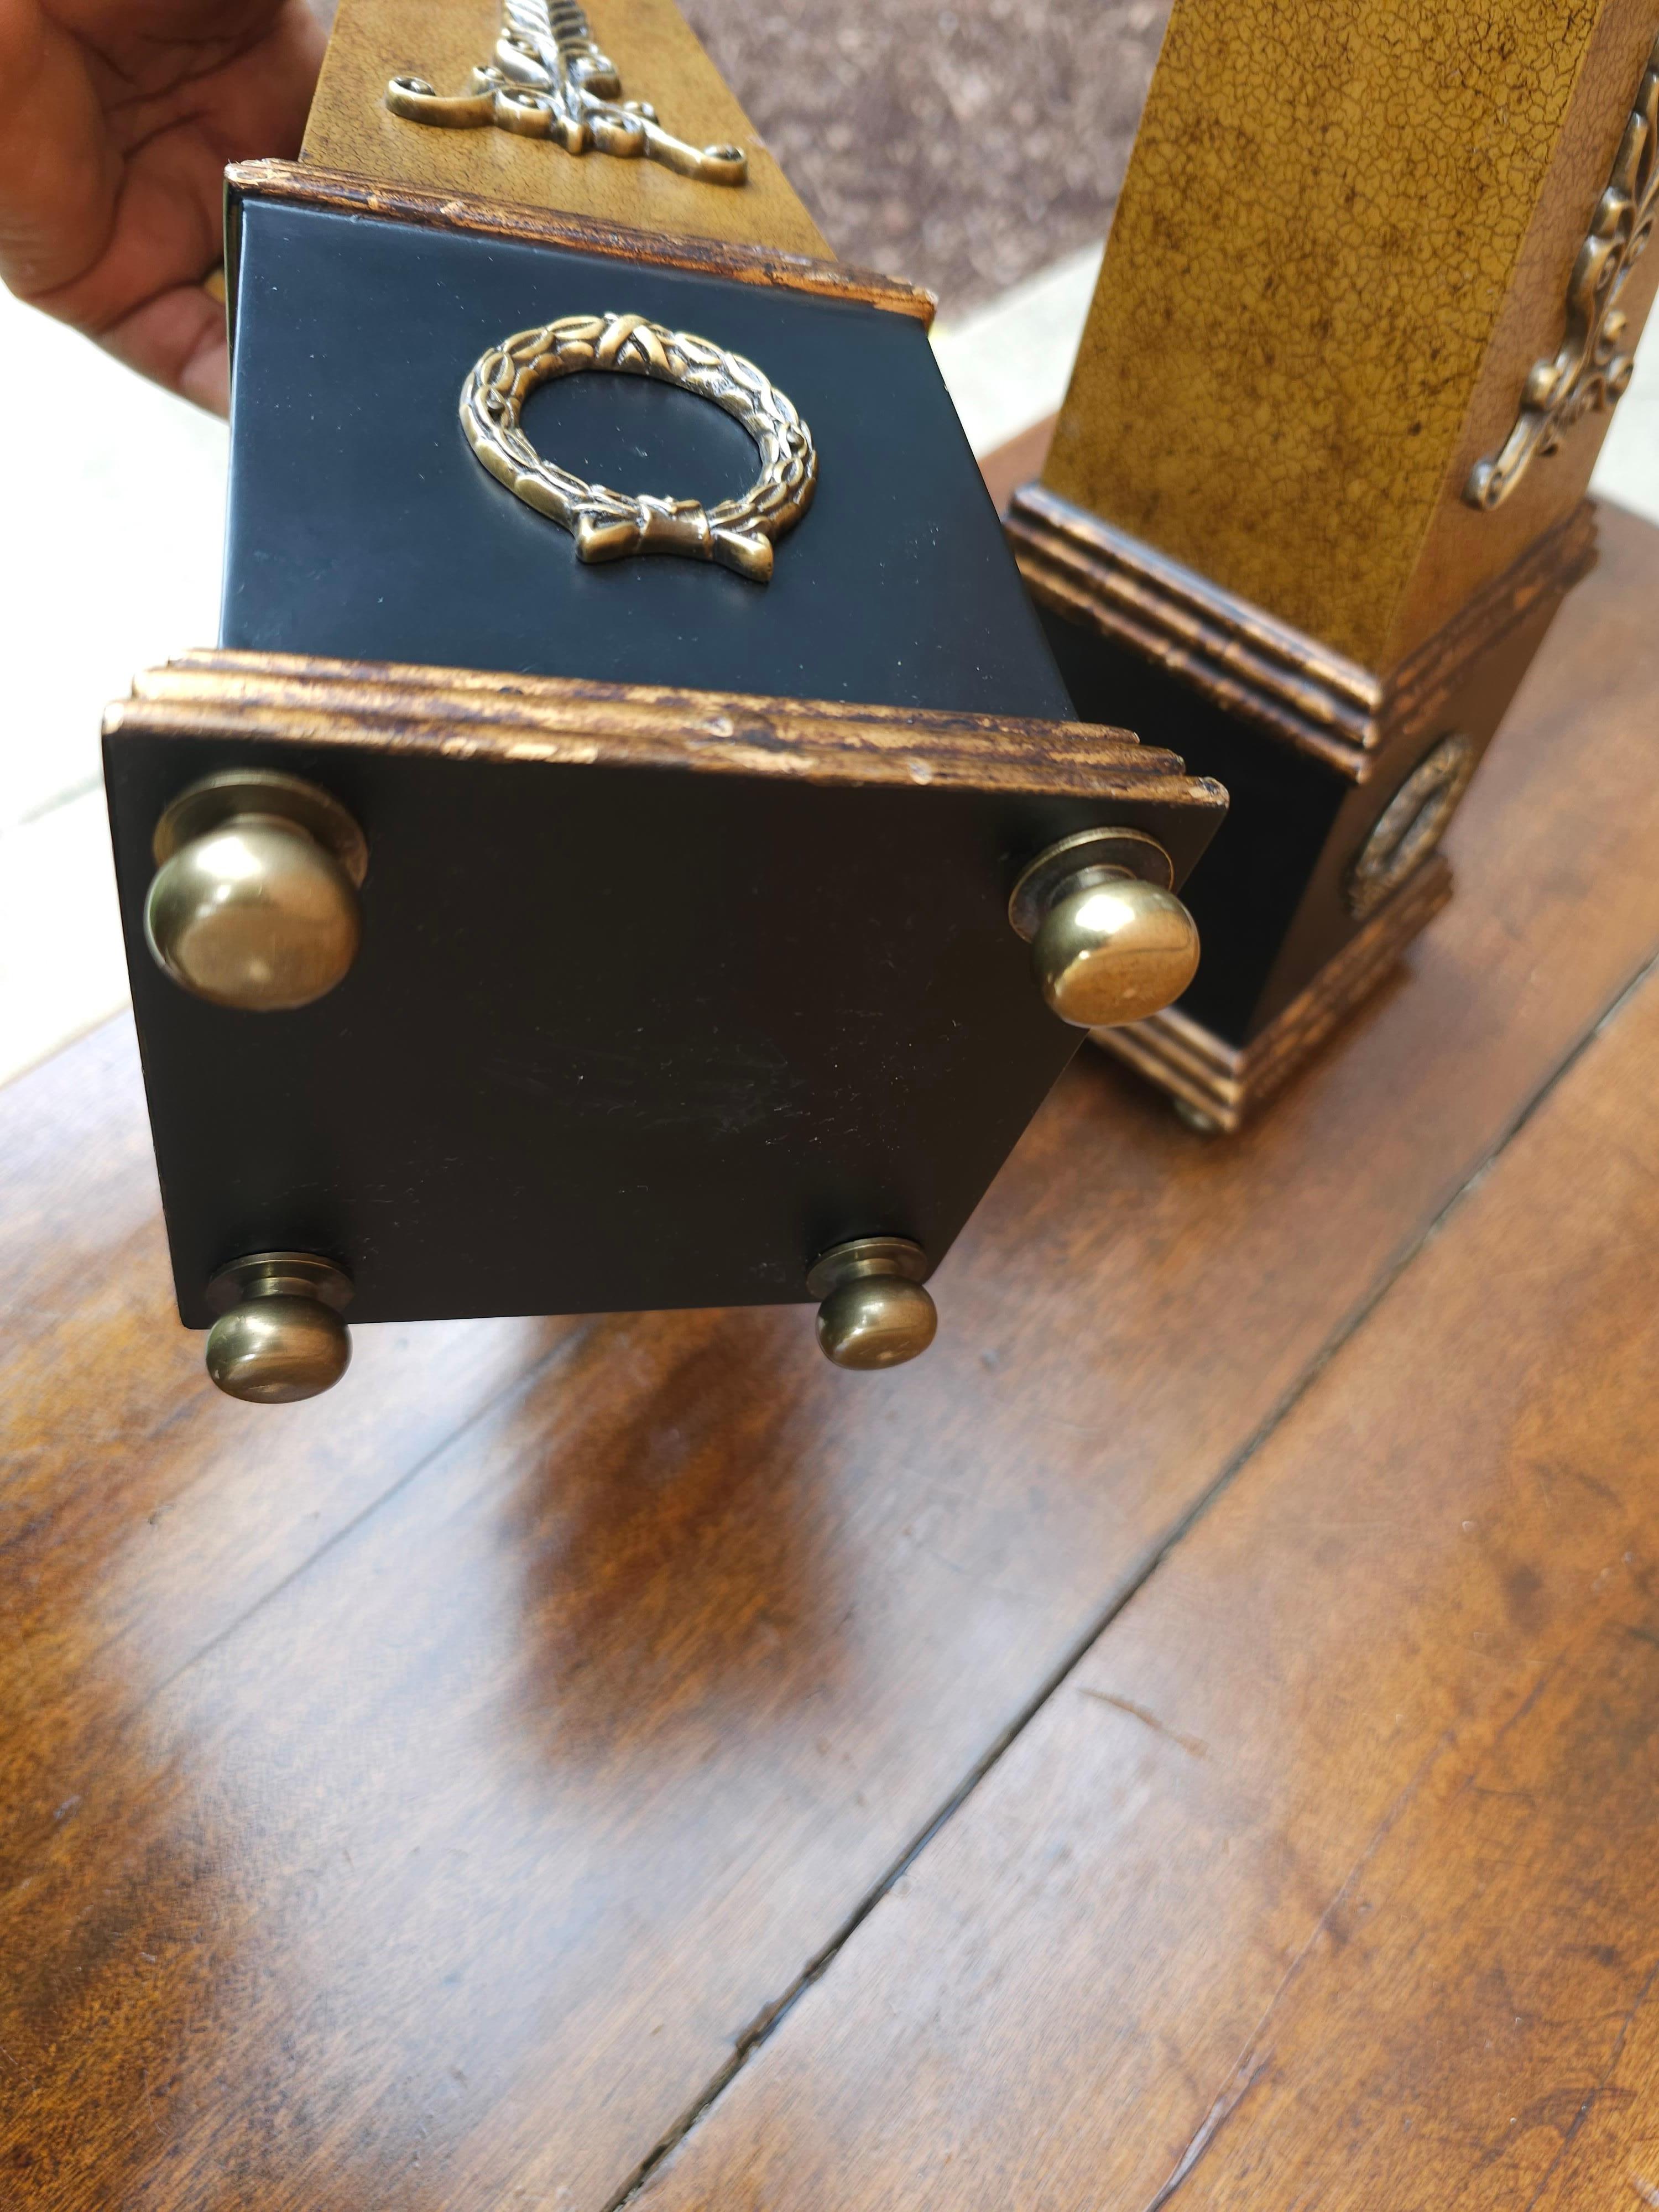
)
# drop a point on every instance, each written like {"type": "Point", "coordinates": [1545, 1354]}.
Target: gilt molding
{"type": "Point", "coordinates": [343, 192]}
{"type": "Point", "coordinates": [1219, 1085]}
{"type": "Point", "coordinates": [1248, 662]}
{"type": "Point", "coordinates": [480, 714]}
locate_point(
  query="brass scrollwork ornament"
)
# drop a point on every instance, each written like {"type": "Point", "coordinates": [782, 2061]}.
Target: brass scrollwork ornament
{"type": "Point", "coordinates": [1410, 826]}
{"type": "Point", "coordinates": [549, 80]}
{"type": "Point", "coordinates": [1590, 370]}
{"type": "Point", "coordinates": [608, 525]}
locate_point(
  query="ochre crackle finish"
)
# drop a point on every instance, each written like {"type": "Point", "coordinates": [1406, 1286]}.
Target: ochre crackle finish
{"type": "Point", "coordinates": [1318, 236]}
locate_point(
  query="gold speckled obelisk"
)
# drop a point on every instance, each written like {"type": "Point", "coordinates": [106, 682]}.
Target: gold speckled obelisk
{"type": "Point", "coordinates": [1319, 483]}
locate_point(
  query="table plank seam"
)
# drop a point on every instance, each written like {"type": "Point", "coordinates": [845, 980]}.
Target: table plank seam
{"type": "Point", "coordinates": [1253, 2062]}
{"type": "Point", "coordinates": [522, 1383]}
{"type": "Point", "coordinates": [1570, 2133]}
{"type": "Point", "coordinates": [771, 2017]}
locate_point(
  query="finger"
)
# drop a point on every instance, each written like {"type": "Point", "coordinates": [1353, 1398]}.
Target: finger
{"type": "Point", "coordinates": [167, 232]}
{"type": "Point", "coordinates": [178, 338]}
{"type": "Point", "coordinates": [110, 216]}
{"type": "Point", "coordinates": [59, 176]}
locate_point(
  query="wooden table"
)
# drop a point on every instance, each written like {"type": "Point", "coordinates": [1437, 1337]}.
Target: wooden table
{"type": "Point", "coordinates": [1192, 1736]}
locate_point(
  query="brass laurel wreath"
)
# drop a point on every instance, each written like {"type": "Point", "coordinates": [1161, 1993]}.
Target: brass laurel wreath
{"type": "Point", "coordinates": [609, 524]}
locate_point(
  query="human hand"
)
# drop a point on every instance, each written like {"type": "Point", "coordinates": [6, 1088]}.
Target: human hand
{"type": "Point", "coordinates": [116, 118]}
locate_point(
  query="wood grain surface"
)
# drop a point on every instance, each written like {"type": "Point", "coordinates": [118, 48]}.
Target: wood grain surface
{"type": "Point", "coordinates": [425, 1796]}
{"type": "Point", "coordinates": [660, 61]}
{"type": "Point", "coordinates": [1325, 1878]}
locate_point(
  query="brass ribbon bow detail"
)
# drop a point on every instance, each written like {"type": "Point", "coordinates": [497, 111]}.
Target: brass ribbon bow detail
{"type": "Point", "coordinates": [607, 525]}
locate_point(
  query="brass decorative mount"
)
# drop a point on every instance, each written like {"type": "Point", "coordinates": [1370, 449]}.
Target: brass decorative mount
{"type": "Point", "coordinates": [608, 525]}
{"type": "Point", "coordinates": [1589, 371]}
{"type": "Point", "coordinates": [1410, 826]}
{"type": "Point", "coordinates": [549, 80]}
{"type": "Point", "coordinates": [279, 1337]}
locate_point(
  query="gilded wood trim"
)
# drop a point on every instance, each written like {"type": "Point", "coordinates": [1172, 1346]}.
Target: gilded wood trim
{"type": "Point", "coordinates": [461, 713]}
{"type": "Point", "coordinates": [1242, 659]}
{"type": "Point", "coordinates": [1247, 662]}
{"type": "Point", "coordinates": [1423, 683]}
{"type": "Point", "coordinates": [1225, 1084]}
{"type": "Point", "coordinates": [300, 183]}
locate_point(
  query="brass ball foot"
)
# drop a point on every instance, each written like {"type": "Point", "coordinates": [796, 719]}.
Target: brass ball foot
{"type": "Point", "coordinates": [279, 1336]}
{"type": "Point", "coordinates": [1110, 942]}
{"type": "Point", "coordinates": [874, 1311]}
{"type": "Point", "coordinates": [254, 901]}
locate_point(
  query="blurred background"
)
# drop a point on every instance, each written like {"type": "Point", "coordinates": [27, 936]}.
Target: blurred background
{"type": "Point", "coordinates": [976, 148]}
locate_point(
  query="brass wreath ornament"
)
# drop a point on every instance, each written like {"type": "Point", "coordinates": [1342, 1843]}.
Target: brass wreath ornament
{"type": "Point", "coordinates": [608, 524]}
{"type": "Point", "coordinates": [1410, 826]}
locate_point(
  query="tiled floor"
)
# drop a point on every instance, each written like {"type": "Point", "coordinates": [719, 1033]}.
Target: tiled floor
{"type": "Point", "coordinates": [114, 495]}
{"type": "Point", "coordinates": [944, 141]}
